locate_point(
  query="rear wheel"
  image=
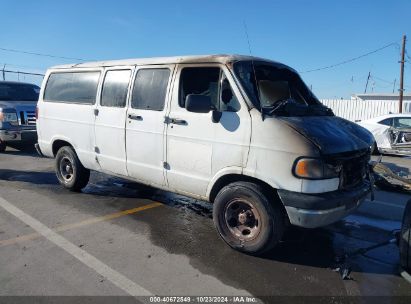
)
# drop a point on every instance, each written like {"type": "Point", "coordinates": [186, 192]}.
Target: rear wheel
{"type": "Point", "coordinates": [2, 147]}
{"type": "Point", "coordinates": [405, 241]}
{"type": "Point", "coordinates": [69, 170]}
{"type": "Point", "coordinates": [246, 219]}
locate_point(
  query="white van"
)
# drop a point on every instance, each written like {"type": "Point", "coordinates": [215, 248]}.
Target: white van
{"type": "Point", "coordinates": [242, 132]}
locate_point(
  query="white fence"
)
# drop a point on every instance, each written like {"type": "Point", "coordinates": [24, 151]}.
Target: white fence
{"type": "Point", "coordinates": [357, 109]}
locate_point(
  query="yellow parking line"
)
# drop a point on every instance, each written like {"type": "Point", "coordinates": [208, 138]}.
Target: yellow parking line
{"type": "Point", "coordinates": [86, 222]}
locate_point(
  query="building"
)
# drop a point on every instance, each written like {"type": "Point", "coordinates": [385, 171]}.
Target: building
{"type": "Point", "coordinates": [365, 106]}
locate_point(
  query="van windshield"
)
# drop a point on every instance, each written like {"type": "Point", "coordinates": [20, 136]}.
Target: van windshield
{"type": "Point", "coordinates": [276, 89]}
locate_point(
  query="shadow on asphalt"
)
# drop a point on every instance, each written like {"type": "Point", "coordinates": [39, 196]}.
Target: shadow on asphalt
{"type": "Point", "coordinates": [26, 149]}
{"type": "Point", "coordinates": [38, 178]}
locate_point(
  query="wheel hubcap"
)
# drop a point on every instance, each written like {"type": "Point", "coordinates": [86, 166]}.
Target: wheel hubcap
{"type": "Point", "coordinates": [66, 169]}
{"type": "Point", "coordinates": [242, 219]}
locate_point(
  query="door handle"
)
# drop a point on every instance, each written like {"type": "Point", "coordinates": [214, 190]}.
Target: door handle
{"type": "Point", "coordinates": [177, 121]}
{"type": "Point", "coordinates": [135, 117]}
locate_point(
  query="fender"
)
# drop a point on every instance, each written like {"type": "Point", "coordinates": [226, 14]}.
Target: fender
{"type": "Point", "coordinates": [245, 172]}
{"type": "Point", "coordinates": [86, 157]}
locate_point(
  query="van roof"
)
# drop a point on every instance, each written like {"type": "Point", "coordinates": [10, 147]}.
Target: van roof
{"type": "Point", "coordinates": [224, 59]}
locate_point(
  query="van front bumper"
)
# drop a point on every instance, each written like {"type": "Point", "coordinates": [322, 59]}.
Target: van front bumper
{"type": "Point", "coordinates": [23, 135]}
{"type": "Point", "coordinates": [321, 209]}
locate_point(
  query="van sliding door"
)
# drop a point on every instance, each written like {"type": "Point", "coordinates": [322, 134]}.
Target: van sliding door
{"type": "Point", "coordinates": [145, 124]}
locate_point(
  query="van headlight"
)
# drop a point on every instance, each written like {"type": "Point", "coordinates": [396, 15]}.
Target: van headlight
{"type": "Point", "coordinates": [9, 116]}
{"type": "Point", "coordinates": [315, 168]}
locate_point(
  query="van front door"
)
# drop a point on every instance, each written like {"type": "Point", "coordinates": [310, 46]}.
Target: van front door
{"type": "Point", "coordinates": [110, 122]}
{"type": "Point", "coordinates": [145, 124]}
{"type": "Point", "coordinates": [198, 146]}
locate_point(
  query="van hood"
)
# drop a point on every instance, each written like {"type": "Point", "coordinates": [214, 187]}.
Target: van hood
{"type": "Point", "coordinates": [331, 134]}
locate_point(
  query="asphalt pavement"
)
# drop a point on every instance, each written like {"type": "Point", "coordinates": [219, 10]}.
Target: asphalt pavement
{"type": "Point", "coordinates": [118, 238]}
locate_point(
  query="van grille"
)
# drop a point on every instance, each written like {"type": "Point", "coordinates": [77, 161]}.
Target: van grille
{"type": "Point", "coordinates": [354, 167]}
{"type": "Point", "coordinates": [27, 118]}
{"type": "Point", "coordinates": [354, 171]}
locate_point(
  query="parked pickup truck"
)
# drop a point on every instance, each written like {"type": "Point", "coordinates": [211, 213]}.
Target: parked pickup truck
{"type": "Point", "coordinates": [17, 113]}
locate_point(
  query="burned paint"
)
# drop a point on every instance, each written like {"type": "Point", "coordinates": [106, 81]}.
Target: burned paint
{"type": "Point", "coordinates": [331, 134]}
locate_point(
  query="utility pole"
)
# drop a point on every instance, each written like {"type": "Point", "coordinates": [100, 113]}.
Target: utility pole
{"type": "Point", "coordinates": [404, 38]}
{"type": "Point", "coordinates": [366, 85]}
{"type": "Point", "coordinates": [4, 73]}
{"type": "Point", "coordinates": [393, 88]}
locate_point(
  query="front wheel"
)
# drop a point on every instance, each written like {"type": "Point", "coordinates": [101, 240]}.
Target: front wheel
{"type": "Point", "coordinates": [246, 219]}
{"type": "Point", "coordinates": [69, 170]}
{"type": "Point", "coordinates": [2, 146]}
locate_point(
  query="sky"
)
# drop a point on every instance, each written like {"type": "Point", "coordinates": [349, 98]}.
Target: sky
{"type": "Point", "coordinates": [304, 34]}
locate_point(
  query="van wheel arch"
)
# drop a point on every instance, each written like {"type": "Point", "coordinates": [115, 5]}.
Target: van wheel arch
{"type": "Point", "coordinates": [232, 178]}
{"type": "Point", "coordinates": [58, 144]}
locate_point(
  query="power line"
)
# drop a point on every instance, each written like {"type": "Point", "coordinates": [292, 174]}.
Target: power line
{"type": "Point", "coordinates": [40, 54]}
{"type": "Point", "coordinates": [4, 71]}
{"type": "Point", "coordinates": [352, 59]}
{"type": "Point", "coordinates": [23, 73]}
{"type": "Point", "coordinates": [23, 66]}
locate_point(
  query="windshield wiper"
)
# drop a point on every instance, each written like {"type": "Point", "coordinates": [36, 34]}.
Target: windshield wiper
{"type": "Point", "coordinates": [289, 107]}
{"type": "Point", "coordinates": [279, 105]}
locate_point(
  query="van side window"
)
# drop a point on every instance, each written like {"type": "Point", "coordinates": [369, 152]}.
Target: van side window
{"type": "Point", "coordinates": [115, 87]}
{"type": "Point", "coordinates": [72, 87]}
{"type": "Point", "coordinates": [150, 89]}
{"type": "Point", "coordinates": [201, 81]}
{"type": "Point", "coordinates": [210, 82]}
{"type": "Point", "coordinates": [228, 101]}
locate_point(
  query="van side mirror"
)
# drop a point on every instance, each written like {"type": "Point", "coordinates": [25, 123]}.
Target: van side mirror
{"type": "Point", "coordinates": [198, 103]}
{"type": "Point", "coordinates": [216, 116]}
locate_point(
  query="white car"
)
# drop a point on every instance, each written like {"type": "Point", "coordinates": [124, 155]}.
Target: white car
{"type": "Point", "coordinates": [392, 133]}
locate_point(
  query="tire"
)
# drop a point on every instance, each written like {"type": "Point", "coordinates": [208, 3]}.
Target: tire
{"type": "Point", "coordinates": [405, 240]}
{"type": "Point", "coordinates": [69, 170]}
{"type": "Point", "coordinates": [246, 219]}
{"type": "Point", "coordinates": [2, 147]}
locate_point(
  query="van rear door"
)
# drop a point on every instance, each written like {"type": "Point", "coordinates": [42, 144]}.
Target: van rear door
{"type": "Point", "coordinates": [111, 119]}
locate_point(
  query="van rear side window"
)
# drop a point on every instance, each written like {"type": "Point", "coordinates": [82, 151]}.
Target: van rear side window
{"type": "Point", "coordinates": [72, 87]}
{"type": "Point", "coordinates": [150, 89]}
{"type": "Point", "coordinates": [115, 88]}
